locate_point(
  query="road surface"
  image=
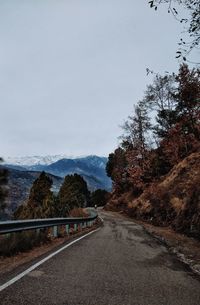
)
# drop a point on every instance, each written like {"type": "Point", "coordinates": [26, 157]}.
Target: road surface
{"type": "Point", "coordinates": [118, 265]}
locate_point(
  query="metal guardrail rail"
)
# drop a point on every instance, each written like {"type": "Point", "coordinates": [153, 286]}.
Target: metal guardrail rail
{"type": "Point", "coordinates": [31, 224]}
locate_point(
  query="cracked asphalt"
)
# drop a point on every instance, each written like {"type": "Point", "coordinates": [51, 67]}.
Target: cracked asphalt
{"type": "Point", "coordinates": [118, 265]}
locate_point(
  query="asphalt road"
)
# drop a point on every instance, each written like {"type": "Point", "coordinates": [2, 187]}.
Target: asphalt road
{"type": "Point", "coordinates": [118, 265]}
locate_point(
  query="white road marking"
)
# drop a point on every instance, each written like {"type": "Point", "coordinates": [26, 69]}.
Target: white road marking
{"type": "Point", "coordinates": [19, 276]}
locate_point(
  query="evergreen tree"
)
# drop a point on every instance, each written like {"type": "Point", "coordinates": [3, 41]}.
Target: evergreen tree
{"type": "Point", "coordinates": [99, 197]}
{"type": "Point", "coordinates": [73, 194]}
{"type": "Point", "coordinates": [40, 203]}
{"type": "Point", "coordinates": [116, 169]}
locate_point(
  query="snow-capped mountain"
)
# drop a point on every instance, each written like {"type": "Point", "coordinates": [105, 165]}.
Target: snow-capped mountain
{"type": "Point", "coordinates": [35, 160]}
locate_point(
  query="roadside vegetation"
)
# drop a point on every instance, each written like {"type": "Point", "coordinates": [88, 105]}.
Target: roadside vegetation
{"type": "Point", "coordinates": [71, 201]}
{"type": "Point", "coordinates": [15, 243]}
{"type": "Point", "coordinates": [99, 198]}
{"type": "Point", "coordinates": [156, 168]}
{"type": "Point", "coordinates": [43, 203]}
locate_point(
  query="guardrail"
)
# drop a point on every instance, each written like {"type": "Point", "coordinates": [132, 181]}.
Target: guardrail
{"type": "Point", "coordinates": [31, 224]}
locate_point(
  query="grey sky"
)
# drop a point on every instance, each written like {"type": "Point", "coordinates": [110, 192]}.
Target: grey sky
{"type": "Point", "coordinates": [71, 70]}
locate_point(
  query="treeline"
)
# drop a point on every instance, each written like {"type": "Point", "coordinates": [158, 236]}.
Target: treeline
{"type": "Point", "coordinates": [162, 131]}
{"type": "Point", "coordinates": [73, 194]}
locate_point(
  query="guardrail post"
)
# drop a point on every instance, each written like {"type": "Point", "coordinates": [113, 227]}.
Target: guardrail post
{"type": "Point", "coordinates": [55, 231]}
{"type": "Point", "coordinates": [67, 229]}
{"type": "Point", "coordinates": [38, 231]}
{"type": "Point", "coordinates": [75, 227]}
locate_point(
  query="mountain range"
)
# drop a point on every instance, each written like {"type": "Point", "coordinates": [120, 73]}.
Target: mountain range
{"type": "Point", "coordinates": [92, 168]}
{"type": "Point", "coordinates": [24, 170]}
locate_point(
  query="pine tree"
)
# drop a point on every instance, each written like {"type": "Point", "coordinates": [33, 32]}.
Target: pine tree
{"type": "Point", "coordinates": [99, 197]}
{"type": "Point", "coordinates": [116, 168]}
{"type": "Point", "coordinates": [40, 203]}
{"type": "Point", "coordinates": [73, 194]}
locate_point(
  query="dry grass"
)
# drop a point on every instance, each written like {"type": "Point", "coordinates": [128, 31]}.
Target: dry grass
{"type": "Point", "coordinates": [14, 243]}
{"type": "Point", "coordinates": [177, 203]}
{"type": "Point", "coordinates": [78, 212]}
{"type": "Point", "coordinates": [188, 170]}
{"type": "Point", "coordinates": [174, 201]}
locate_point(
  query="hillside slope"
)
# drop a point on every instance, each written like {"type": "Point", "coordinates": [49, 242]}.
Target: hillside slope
{"type": "Point", "coordinates": [174, 201]}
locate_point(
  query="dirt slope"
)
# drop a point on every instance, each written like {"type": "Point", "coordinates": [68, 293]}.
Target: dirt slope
{"type": "Point", "coordinates": [174, 201]}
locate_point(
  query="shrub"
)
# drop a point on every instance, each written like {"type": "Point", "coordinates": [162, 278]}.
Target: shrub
{"type": "Point", "coordinates": [15, 243]}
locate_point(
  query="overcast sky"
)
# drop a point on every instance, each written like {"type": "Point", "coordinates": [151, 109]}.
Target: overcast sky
{"type": "Point", "coordinates": [71, 71]}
